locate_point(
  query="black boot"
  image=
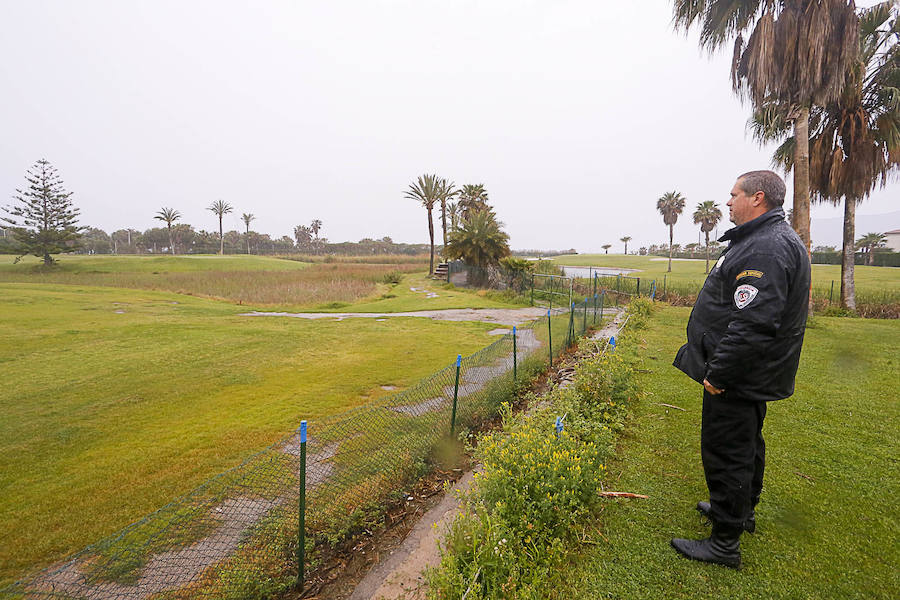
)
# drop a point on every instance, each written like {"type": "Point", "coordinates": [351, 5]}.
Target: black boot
{"type": "Point", "coordinates": [749, 524]}
{"type": "Point", "coordinates": [723, 547]}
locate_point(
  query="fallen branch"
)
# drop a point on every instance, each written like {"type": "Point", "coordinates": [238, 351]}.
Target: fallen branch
{"type": "Point", "coordinates": [671, 406]}
{"type": "Point", "coordinates": [807, 477]}
{"type": "Point", "coordinates": [621, 495]}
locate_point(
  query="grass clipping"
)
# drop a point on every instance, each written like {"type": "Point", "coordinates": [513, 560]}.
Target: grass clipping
{"type": "Point", "coordinates": [531, 504]}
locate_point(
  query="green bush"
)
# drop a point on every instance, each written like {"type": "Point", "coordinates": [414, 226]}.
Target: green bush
{"type": "Point", "coordinates": [556, 480]}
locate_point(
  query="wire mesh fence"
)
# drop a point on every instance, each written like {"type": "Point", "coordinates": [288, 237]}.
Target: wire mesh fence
{"type": "Point", "coordinates": [238, 535]}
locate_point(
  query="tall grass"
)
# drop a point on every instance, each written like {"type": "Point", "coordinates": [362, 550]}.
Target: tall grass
{"type": "Point", "coordinates": [323, 282]}
{"type": "Point", "coordinates": [375, 259]}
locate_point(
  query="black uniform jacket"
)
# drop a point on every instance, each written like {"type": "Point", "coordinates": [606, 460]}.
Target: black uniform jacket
{"type": "Point", "coordinates": [746, 329]}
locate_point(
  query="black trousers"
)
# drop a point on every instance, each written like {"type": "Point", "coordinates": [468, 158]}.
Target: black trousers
{"type": "Point", "coordinates": [734, 456]}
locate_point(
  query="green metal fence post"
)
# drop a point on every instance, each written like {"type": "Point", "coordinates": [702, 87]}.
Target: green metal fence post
{"type": "Point", "coordinates": [595, 308]}
{"type": "Point", "coordinates": [618, 285]}
{"type": "Point", "coordinates": [665, 281]}
{"type": "Point", "coordinates": [639, 287]}
{"type": "Point", "coordinates": [602, 295]}
{"type": "Point", "coordinates": [448, 271]}
{"type": "Point", "coordinates": [550, 336]}
{"type": "Point", "coordinates": [571, 333]}
{"type": "Point", "coordinates": [515, 376]}
{"type": "Point", "coordinates": [301, 536]}
{"type": "Point", "coordinates": [831, 293]}
{"type": "Point", "coordinates": [455, 396]}
{"type": "Point", "coordinates": [584, 320]}
{"type": "Point", "coordinates": [532, 289]}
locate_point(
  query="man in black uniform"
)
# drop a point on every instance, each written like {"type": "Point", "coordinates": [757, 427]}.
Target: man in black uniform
{"type": "Point", "coordinates": [743, 344]}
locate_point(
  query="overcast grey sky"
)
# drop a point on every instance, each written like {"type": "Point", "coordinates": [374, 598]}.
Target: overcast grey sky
{"type": "Point", "coordinates": [576, 115]}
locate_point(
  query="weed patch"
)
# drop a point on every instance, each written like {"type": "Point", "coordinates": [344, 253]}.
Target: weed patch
{"type": "Point", "coordinates": [539, 485]}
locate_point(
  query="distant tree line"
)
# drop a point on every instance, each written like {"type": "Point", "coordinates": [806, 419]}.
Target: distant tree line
{"type": "Point", "coordinates": [42, 221]}
{"type": "Point", "coordinates": [187, 240]}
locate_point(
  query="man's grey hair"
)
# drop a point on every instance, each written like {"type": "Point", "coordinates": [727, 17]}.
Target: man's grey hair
{"type": "Point", "coordinates": [767, 182]}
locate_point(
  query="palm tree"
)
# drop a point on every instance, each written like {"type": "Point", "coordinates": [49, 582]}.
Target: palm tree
{"type": "Point", "coordinates": [315, 227]}
{"type": "Point", "coordinates": [799, 53]}
{"type": "Point", "coordinates": [447, 190]}
{"type": "Point", "coordinates": [472, 198]}
{"type": "Point", "coordinates": [426, 190]}
{"type": "Point", "coordinates": [606, 247]}
{"type": "Point", "coordinates": [626, 239]}
{"type": "Point", "coordinates": [221, 208]}
{"type": "Point", "coordinates": [247, 218]}
{"type": "Point", "coordinates": [707, 216]}
{"type": "Point", "coordinates": [854, 141]}
{"type": "Point", "coordinates": [453, 213]}
{"type": "Point", "coordinates": [169, 215]}
{"type": "Point", "coordinates": [870, 242]}
{"type": "Point", "coordinates": [479, 241]}
{"type": "Point", "coordinates": [670, 206]}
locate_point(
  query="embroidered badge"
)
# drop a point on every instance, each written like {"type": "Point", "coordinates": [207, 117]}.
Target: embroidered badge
{"type": "Point", "coordinates": [744, 295]}
{"type": "Point", "coordinates": [749, 273]}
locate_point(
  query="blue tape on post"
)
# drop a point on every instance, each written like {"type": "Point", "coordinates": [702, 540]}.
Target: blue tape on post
{"type": "Point", "coordinates": [514, 330]}
{"type": "Point", "coordinates": [458, 359]}
{"type": "Point", "coordinates": [302, 432]}
{"type": "Point", "coordinates": [548, 312]}
{"type": "Point", "coordinates": [612, 342]}
{"type": "Point", "coordinates": [559, 426]}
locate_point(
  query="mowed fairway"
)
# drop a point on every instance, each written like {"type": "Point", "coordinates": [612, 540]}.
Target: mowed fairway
{"type": "Point", "coordinates": [869, 280]}
{"type": "Point", "coordinates": [828, 521]}
{"type": "Point", "coordinates": [116, 401]}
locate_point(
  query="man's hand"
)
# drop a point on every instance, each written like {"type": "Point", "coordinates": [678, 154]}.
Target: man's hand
{"type": "Point", "coordinates": [711, 388]}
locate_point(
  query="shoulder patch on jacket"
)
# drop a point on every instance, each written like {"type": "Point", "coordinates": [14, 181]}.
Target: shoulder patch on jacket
{"type": "Point", "coordinates": [744, 295]}
{"type": "Point", "coordinates": [749, 273]}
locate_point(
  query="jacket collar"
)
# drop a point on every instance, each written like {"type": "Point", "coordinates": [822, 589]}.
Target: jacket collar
{"type": "Point", "coordinates": [742, 231]}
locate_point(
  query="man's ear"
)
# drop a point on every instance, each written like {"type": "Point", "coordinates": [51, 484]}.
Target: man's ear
{"type": "Point", "coordinates": [760, 198]}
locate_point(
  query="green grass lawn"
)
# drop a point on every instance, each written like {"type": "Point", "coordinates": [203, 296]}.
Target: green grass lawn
{"type": "Point", "coordinates": [116, 401]}
{"type": "Point", "coordinates": [828, 520]}
{"type": "Point", "coordinates": [693, 271]}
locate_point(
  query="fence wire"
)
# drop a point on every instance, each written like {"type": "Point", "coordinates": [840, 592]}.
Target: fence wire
{"type": "Point", "coordinates": [236, 535]}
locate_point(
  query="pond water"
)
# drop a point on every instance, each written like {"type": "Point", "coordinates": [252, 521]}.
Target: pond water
{"type": "Point", "coordinates": [588, 272]}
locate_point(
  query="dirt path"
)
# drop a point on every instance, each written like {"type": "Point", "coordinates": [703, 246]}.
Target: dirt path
{"type": "Point", "coordinates": [400, 575]}
{"type": "Point", "coordinates": [502, 316]}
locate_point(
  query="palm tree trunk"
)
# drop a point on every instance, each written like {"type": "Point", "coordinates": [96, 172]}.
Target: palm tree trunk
{"type": "Point", "coordinates": [221, 238]}
{"type": "Point", "coordinates": [670, 249]}
{"type": "Point", "coordinates": [707, 252]}
{"type": "Point", "coordinates": [431, 239]}
{"type": "Point", "coordinates": [848, 253]}
{"type": "Point", "coordinates": [444, 222]}
{"type": "Point", "coordinates": [801, 177]}
{"type": "Point", "coordinates": [801, 186]}
{"type": "Point", "coordinates": [171, 243]}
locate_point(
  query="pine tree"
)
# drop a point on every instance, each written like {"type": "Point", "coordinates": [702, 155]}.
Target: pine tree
{"type": "Point", "coordinates": [43, 219]}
